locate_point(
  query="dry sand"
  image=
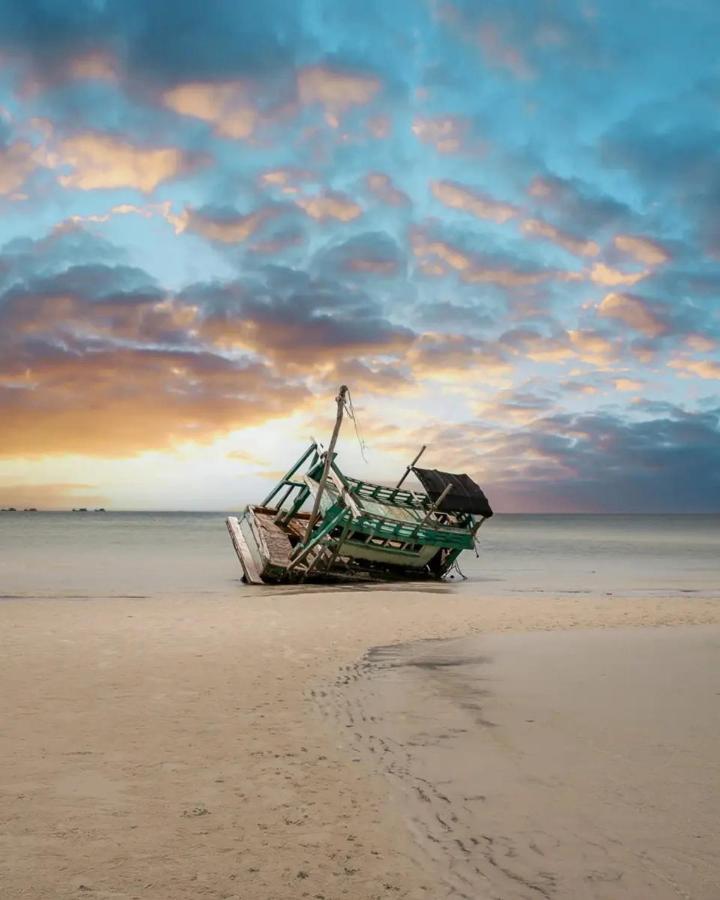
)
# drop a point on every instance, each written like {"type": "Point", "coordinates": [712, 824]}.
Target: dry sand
{"type": "Point", "coordinates": [174, 749]}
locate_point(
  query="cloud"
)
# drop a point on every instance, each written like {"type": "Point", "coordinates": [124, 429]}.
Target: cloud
{"type": "Point", "coordinates": [576, 245]}
{"type": "Point", "coordinates": [380, 127]}
{"type": "Point", "coordinates": [17, 161]}
{"type": "Point", "coordinates": [576, 204]}
{"type": "Point", "coordinates": [371, 253]}
{"type": "Point", "coordinates": [437, 256]}
{"type": "Point", "coordinates": [287, 180]}
{"type": "Point", "coordinates": [607, 275]}
{"type": "Point", "coordinates": [298, 321]}
{"type": "Point", "coordinates": [335, 90]}
{"type": "Point", "coordinates": [628, 385]}
{"type": "Point", "coordinates": [94, 66]}
{"type": "Point", "coordinates": [104, 161]}
{"type": "Point", "coordinates": [447, 134]}
{"type": "Point", "coordinates": [97, 359]}
{"type": "Point", "coordinates": [635, 312]}
{"type": "Point", "coordinates": [592, 346]}
{"type": "Point", "coordinates": [642, 249]}
{"type": "Point", "coordinates": [119, 401]}
{"type": "Point", "coordinates": [330, 205]}
{"type": "Point", "coordinates": [383, 187]}
{"type": "Point", "coordinates": [702, 368]}
{"type": "Point", "coordinates": [226, 226]}
{"type": "Point", "coordinates": [375, 378]}
{"type": "Point", "coordinates": [537, 347]}
{"type": "Point", "coordinates": [499, 52]}
{"type": "Point", "coordinates": [458, 196]}
{"type": "Point", "coordinates": [228, 107]}
{"type": "Point", "coordinates": [659, 461]}
{"type": "Point", "coordinates": [455, 357]}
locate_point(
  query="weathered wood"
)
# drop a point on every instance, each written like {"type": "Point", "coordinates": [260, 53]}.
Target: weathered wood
{"type": "Point", "coordinates": [407, 470]}
{"type": "Point", "coordinates": [345, 493]}
{"type": "Point", "coordinates": [276, 543]}
{"type": "Point", "coordinates": [324, 531]}
{"type": "Point", "coordinates": [436, 504]}
{"type": "Point", "coordinates": [289, 474]}
{"type": "Point", "coordinates": [243, 551]}
{"type": "Point", "coordinates": [340, 400]}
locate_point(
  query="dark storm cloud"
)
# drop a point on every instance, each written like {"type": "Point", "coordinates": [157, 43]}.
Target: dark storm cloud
{"type": "Point", "coordinates": [665, 464]}
{"type": "Point", "coordinates": [665, 461]}
{"type": "Point", "coordinates": [576, 205]}
{"type": "Point", "coordinates": [372, 254]}
{"type": "Point", "coordinates": [163, 40]}
{"type": "Point", "coordinates": [294, 318]}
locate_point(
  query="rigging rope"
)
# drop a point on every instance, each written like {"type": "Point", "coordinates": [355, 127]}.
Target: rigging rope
{"type": "Point", "coordinates": [350, 410]}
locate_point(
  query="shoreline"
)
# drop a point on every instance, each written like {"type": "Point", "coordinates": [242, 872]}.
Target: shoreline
{"type": "Point", "coordinates": [173, 747]}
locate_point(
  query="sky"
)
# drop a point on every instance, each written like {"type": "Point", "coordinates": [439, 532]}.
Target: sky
{"type": "Point", "coordinates": [497, 222]}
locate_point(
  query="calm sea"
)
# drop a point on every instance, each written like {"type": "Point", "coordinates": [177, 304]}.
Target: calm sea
{"type": "Point", "coordinates": [96, 555]}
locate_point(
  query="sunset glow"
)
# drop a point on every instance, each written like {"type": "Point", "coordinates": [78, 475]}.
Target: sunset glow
{"type": "Point", "coordinates": [497, 223]}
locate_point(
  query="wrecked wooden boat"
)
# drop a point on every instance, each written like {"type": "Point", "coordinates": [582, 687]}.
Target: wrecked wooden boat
{"type": "Point", "coordinates": [356, 530]}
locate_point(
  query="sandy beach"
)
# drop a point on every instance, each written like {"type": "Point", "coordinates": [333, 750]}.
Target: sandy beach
{"type": "Point", "coordinates": [177, 748]}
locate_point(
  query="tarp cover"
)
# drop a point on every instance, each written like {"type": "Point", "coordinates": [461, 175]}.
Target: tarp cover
{"type": "Point", "coordinates": [464, 495]}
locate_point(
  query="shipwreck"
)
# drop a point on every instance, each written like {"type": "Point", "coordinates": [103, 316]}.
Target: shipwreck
{"type": "Point", "coordinates": [355, 530]}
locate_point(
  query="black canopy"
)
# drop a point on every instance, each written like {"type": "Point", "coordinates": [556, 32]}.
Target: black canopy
{"type": "Point", "coordinates": [464, 495]}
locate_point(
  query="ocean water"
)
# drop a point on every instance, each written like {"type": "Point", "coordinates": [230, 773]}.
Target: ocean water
{"type": "Point", "coordinates": [105, 555]}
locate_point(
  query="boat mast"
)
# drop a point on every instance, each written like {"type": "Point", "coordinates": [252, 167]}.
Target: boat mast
{"type": "Point", "coordinates": [340, 400]}
{"type": "Point", "coordinates": [409, 468]}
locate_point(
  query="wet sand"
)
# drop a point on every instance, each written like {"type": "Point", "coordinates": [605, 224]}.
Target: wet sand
{"type": "Point", "coordinates": [577, 764]}
{"type": "Point", "coordinates": [176, 747]}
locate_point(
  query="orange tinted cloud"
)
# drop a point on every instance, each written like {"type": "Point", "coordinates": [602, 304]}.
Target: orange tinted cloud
{"type": "Point", "coordinates": [17, 161]}
{"type": "Point", "coordinates": [384, 188]}
{"type": "Point", "coordinates": [499, 52]}
{"type": "Point", "coordinates": [302, 342]}
{"type": "Point", "coordinates": [472, 269]}
{"type": "Point", "coordinates": [634, 312]}
{"type": "Point", "coordinates": [602, 274]}
{"type": "Point", "coordinates": [336, 90]}
{"type": "Point", "coordinates": [628, 385]}
{"type": "Point", "coordinates": [287, 180]}
{"type": "Point", "coordinates": [94, 66]}
{"type": "Point", "coordinates": [62, 315]}
{"type": "Point", "coordinates": [579, 246]}
{"type": "Point", "coordinates": [227, 106]}
{"type": "Point", "coordinates": [227, 229]}
{"type": "Point", "coordinates": [591, 347]}
{"type": "Point", "coordinates": [453, 356]}
{"type": "Point", "coordinates": [703, 368]}
{"type": "Point", "coordinates": [700, 343]}
{"type": "Point", "coordinates": [380, 126]}
{"type": "Point", "coordinates": [102, 161]}
{"type": "Point", "coordinates": [117, 402]}
{"type": "Point", "coordinates": [330, 205]}
{"type": "Point", "coordinates": [457, 196]}
{"type": "Point", "coordinates": [445, 133]}
{"type": "Point", "coordinates": [642, 249]}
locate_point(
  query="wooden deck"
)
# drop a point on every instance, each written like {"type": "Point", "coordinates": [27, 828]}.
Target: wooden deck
{"type": "Point", "coordinates": [276, 540]}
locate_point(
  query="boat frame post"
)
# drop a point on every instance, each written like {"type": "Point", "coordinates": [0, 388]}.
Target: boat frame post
{"type": "Point", "coordinates": [340, 400]}
{"type": "Point", "coordinates": [289, 474]}
{"type": "Point", "coordinates": [435, 505]}
{"type": "Point", "coordinates": [409, 468]}
{"type": "Point", "coordinates": [325, 530]}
